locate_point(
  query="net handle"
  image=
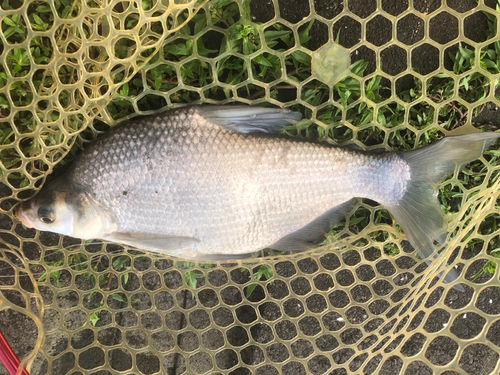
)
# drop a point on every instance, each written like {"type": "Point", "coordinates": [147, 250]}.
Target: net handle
{"type": "Point", "coordinates": [9, 359]}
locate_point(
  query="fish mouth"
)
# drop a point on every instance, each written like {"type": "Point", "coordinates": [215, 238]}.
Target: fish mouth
{"type": "Point", "coordinates": [23, 218]}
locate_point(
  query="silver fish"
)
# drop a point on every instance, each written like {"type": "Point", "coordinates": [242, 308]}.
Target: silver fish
{"type": "Point", "coordinates": [208, 182]}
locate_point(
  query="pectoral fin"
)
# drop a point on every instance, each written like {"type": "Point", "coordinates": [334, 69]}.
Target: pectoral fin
{"type": "Point", "coordinates": [221, 257]}
{"type": "Point", "coordinates": [165, 244]}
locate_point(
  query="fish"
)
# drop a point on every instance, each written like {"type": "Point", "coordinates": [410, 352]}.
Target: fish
{"type": "Point", "coordinates": [214, 182]}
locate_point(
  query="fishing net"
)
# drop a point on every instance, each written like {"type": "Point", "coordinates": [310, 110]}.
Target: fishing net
{"type": "Point", "coordinates": [380, 74]}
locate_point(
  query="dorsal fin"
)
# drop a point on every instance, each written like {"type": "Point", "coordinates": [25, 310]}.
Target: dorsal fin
{"type": "Point", "coordinates": [247, 119]}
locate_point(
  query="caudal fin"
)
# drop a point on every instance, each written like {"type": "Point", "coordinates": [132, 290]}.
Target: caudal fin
{"type": "Point", "coordinates": [419, 212]}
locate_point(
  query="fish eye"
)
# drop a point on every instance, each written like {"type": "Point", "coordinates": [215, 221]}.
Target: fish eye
{"type": "Point", "coordinates": [46, 215]}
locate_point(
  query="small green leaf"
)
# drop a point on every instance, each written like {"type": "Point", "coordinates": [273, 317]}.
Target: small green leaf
{"type": "Point", "coordinates": [178, 49]}
{"type": "Point", "coordinates": [264, 270]}
{"type": "Point", "coordinates": [37, 19]}
{"type": "Point", "coordinates": [261, 60]}
{"type": "Point", "coordinates": [465, 52]}
{"type": "Point", "coordinates": [9, 22]}
{"type": "Point", "coordinates": [355, 220]}
{"type": "Point", "coordinates": [247, 46]}
{"type": "Point", "coordinates": [302, 57]}
{"type": "Point", "coordinates": [271, 35]}
{"type": "Point", "coordinates": [359, 67]}
{"type": "Point", "coordinates": [119, 297]}
{"type": "Point", "coordinates": [250, 289]}
{"type": "Point", "coordinates": [43, 8]}
{"type": "Point", "coordinates": [55, 276]}
{"type": "Point", "coordinates": [94, 318]}
{"type": "Point", "coordinates": [200, 24]}
{"type": "Point", "coordinates": [118, 262]}
{"type": "Point", "coordinates": [124, 89]}
{"type": "Point", "coordinates": [192, 277]}
{"type": "Point", "coordinates": [304, 34]}
{"type": "Point", "coordinates": [42, 277]}
{"type": "Point", "coordinates": [202, 50]}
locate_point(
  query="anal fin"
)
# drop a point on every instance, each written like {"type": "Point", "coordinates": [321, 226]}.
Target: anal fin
{"type": "Point", "coordinates": [313, 232]}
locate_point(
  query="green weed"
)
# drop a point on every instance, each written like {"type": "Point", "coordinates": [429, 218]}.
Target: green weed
{"type": "Point", "coordinates": [264, 271]}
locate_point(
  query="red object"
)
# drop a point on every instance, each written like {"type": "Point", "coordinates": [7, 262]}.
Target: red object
{"type": "Point", "coordinates": [8, 358]}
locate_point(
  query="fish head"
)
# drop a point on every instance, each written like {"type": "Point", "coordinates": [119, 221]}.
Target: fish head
{"type": "Point", "coordinates": [63, 208]}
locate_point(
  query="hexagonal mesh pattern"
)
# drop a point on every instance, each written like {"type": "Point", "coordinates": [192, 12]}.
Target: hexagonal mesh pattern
{"type": "Point", "coordinates": [363, 303]}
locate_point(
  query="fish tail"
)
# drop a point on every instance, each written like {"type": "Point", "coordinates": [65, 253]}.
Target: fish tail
{"type": "Point", "coordinates": [418, 211]}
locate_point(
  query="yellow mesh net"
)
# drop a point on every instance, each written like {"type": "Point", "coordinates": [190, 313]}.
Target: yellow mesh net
{"type": "Point", "coordinates": [362, 303]}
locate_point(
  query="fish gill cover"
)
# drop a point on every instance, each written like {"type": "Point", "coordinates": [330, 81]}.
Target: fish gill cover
{"type": "Point", "coordinates": [70, 69]}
